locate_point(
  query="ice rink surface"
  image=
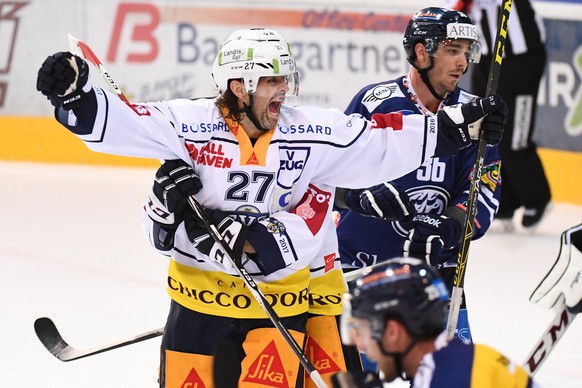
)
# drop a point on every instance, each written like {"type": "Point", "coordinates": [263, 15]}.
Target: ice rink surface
{"type": "Point", "coordinates": [71, 249]}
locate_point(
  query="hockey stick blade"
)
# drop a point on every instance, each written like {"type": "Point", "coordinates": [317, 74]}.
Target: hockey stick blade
{"type": "Point", "coordinates": [52, 340]}
{"type": "Point", "coordinates": [553, 333]}
{"type": "Point", "coordinates": [561, 280]}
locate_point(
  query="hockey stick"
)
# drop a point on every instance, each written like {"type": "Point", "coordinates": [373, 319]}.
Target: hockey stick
{"type": "Point", "coordinates": [52, 340]}
{"type": "Point", "coordinates": [562, 279]}
{"type": "Point", "coordinates": [45, 328]}
{"type": "Point", "coordinates": [469, 222]}
{"type": "Point", "coordinates": [254, 289]}
{"type": "Point", "coordinates": [542, 349]}
{"type": "Point", "coordinates": [85, 51]}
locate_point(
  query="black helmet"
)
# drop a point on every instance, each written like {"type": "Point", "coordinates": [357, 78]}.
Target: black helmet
{"type": "Point", "coordinates": [432, 25]}
{"type": "Point", "coordinates": [404, 289]}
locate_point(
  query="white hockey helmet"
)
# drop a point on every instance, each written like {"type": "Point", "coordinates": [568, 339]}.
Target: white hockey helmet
{"type": "Point", "coordinates": [253, 53]}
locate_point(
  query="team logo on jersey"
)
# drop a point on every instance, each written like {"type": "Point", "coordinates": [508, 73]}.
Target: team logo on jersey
{"type": "Point", "coordinates": [267, 369]}
{"type": "Point", "coordinates": [292, 161]}
{"type": "Point", "coordinates": [275, 226]}
{"type": "Point", "coordinates": [426, 199]}
{"type": "Point", "coordinates": [491, 175]}
{"type": "Point", "coordinates": [313, 207]}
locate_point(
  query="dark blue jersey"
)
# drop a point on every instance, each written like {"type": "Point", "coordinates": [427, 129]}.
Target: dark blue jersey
{"type": "Point", "coordinates": [465, 365]}
{"type": "Point", "coordinates": [438, 184]}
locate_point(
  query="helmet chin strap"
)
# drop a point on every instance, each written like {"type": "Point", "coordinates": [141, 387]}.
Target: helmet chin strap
{"type": "Point", "coordinates": [398, 356]}
{"type": "Point", "coordinates": [424, 76]}
{"type": "Point", "coordinates": [248, 109]}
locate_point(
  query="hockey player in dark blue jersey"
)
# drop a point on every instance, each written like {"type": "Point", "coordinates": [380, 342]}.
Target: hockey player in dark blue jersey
{"type": "Point", "coordinates": [396, 313]}
{"type": "Point", "coordinates": [431, 201]}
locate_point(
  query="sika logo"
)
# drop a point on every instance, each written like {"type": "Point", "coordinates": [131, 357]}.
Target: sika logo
{"type": "Point", "coordinates": [193, 380]}
{"type": "Point", "coordinates": [320, 359]}
{"type": "Point", "coordinates": [268, 369]}
{"type": "Point", "coordinates": [9, 26]}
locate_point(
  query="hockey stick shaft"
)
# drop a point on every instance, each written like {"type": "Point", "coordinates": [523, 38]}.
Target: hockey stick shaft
{"type": "Point", "coordinates": [550, 337]}
{"type": "Point", "coordinates": [45, 328]}
{"type": "Point", "coordinates": [83, 50]}
{"type": "Point", "coordinates": [88, 54]}
{"type": "Point", "coordinates": [469, 222]}
{"type": "Point", "coordinates": [257, 294]}
{"type": "Point", "coordinates": [52, 340]}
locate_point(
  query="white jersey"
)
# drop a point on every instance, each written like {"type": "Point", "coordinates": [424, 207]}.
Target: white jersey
{"type": "Point", "coordinates": [282, 182]}
{"type": "Point", "coordinates": [327, 285]}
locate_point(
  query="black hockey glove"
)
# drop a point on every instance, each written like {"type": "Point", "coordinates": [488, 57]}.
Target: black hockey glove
{"type": "Point", "coordinates": [431, 236]}
{"type": "Point", "coordinates": [233, 232]}
{"type": "Point", "coordinates": [459, 124]}
{"type": "Point", "coordinates": [64, 79]}
{"type": "Point", "coordinates": [493, 124]}
{"type": "Point", "coordinates": [168, 198]}
{"type": "Point", "coordinates": [384, 201]}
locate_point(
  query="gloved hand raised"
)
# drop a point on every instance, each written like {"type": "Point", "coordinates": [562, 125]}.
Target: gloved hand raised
{"type": "Point", "coordinates": [384, 201]}
{"type": "Point", "coordinates": [431, 235]}
{"type": "Point", "coordinates": [459, 124]}
{"type": "Point", "coordinates": [64, 79]}
{"type": "Point", "coordinates": [168, 198]}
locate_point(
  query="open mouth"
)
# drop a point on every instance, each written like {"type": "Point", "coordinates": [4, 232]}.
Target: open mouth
{"type": "Point", "coordinates": [275, 106]}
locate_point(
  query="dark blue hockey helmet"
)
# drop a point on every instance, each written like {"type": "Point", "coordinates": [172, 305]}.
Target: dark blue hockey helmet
{"type": "Point", "coordinates": [432, 25]}
{"type": "Point", "coordinates": [404, 289]}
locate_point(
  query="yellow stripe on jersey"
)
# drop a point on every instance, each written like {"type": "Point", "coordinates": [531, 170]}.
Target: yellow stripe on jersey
{"type": "Point", "coordinates": [224, 295]}
{"type": "Point", "coordinates": [326, 293]}
{"type": "Point", "coordinates": [249, 154]}
{"type": "Point", "coordinates": [492, 369]}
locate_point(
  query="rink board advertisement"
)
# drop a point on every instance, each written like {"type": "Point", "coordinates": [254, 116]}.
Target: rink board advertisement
{"type": "Point", "coordinates": [559, 121]}
{"type": "Point", "coordinates": [162, 50]}
{"type": "Point", "coordinates": [165, 49]}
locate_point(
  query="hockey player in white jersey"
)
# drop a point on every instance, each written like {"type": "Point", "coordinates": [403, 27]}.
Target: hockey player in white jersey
{"type": "Point", "coordinates": [260, 168]}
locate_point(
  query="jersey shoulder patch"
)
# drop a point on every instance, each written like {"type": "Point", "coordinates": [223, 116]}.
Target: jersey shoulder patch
{"type": "Point", "coordinates": [380, 93]}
